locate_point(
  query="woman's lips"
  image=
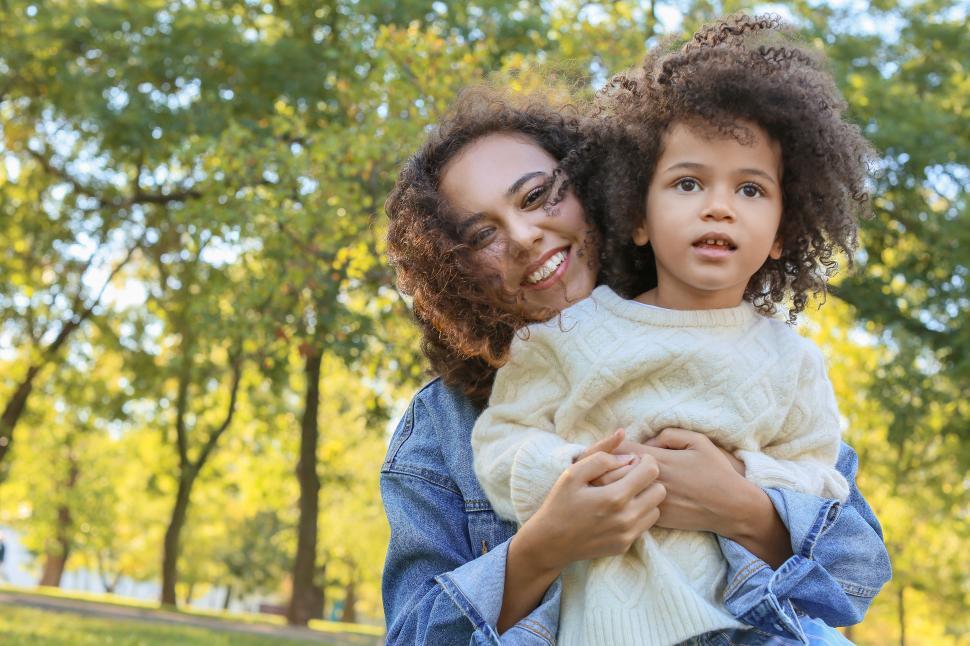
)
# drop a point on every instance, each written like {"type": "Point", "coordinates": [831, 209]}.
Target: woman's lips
{"type": "Point", "coordinates": [551, 279]}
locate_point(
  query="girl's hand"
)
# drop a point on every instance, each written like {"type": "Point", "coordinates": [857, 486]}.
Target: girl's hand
{"type": "Point", "coordinates": [580, 521]}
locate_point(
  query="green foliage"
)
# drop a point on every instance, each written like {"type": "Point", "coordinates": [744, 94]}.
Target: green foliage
{"type": "Point", "coordinates": [188, 189]}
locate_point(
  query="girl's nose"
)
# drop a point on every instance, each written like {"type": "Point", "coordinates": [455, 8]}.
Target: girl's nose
{"type": "Point", "coordinates": [717, 208]}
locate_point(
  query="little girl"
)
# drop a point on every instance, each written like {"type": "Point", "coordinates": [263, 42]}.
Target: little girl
{"type": "Point", "coordinates": [729, 180]}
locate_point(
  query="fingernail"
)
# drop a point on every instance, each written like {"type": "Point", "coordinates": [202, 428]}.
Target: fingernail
{"type": "Point", "coordinates": [626, 458]}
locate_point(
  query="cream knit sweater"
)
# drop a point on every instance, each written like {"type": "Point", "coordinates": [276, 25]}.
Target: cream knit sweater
{"type": "Point", "coordinates": [747, 381]}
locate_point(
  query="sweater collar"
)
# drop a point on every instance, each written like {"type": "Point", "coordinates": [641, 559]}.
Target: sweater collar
{"type": "Point", "coordinates": [605, 297]}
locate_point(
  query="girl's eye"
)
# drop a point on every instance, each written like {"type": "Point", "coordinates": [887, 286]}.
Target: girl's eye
{"type": "Point", "coordinates": [534, 196]}
{"type": "Point", "coordinates": [752, 190]}
{"type": "Point", "coordinates": [688, 184]}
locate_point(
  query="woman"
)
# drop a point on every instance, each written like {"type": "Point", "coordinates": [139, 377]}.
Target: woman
{"type": "Point", "coordinates": [486, 236]}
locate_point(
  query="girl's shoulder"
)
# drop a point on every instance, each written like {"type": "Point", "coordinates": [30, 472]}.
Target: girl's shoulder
{"type": "Point", "coordinates": [795, 348]}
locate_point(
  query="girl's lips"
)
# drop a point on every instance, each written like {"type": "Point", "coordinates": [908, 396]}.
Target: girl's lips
{"type": "Point", "coordinates": [551, 279]}
{"type": "Point", "coordinates": [711, 252]}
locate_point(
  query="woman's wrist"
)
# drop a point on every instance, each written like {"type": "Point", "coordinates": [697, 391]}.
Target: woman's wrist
{"type": "Point", "coordinates": [528, 574]}
{"type": "Point", "coordinates": [754, 524]}
{"type": "Point", "coordinates": [531, 550]}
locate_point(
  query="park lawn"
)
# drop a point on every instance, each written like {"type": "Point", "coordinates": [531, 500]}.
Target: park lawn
{"type": "Point", "coordinates": [20, 625]}
{"type": "Point", "coordinates": [235, 617]}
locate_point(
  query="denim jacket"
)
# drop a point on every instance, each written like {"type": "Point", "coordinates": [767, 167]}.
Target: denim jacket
{"type": "Point", "coordinates": [445, 570]}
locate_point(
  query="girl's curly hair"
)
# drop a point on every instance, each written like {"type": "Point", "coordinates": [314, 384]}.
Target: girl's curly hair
{"type": "Point", "coordinates": [740, 69]}
{"type": "Point", "coordinates": [467, 318]}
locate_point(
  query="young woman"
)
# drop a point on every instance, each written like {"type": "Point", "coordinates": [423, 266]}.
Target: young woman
{"type": "Point", "coordinates": [454, 573]}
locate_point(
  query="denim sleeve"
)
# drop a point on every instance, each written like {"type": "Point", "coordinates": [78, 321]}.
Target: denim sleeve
{"type": "Point", "coordinates": [839, 563]}
{"type": "Point", "coordinates": [436, 591]}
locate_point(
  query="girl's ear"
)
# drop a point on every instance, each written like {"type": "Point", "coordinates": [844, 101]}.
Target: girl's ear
{"type": "Point", "coordinates": [776, 249]}
{"type": "Point", "coordinates": [640, 236]}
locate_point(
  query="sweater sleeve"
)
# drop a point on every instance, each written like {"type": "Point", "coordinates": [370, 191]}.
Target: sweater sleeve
{"type": "Point", "coordinates": [518, 456]}
{"type": "Point", "coordinates": [802, 456]}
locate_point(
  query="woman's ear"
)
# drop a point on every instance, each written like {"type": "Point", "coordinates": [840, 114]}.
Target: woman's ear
{"type": "Point", "coordinates": [640, 235]}
{"type": "Point", "coordinates": [776, 249]}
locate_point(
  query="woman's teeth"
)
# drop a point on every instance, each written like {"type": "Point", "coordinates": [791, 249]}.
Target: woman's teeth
{"type": "Point", "coordinates": [547, 268]}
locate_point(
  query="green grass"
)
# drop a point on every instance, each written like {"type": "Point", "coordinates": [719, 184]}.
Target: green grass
{"type": "Point", "coordinates": [247, 618]}
{"type": "Point", "coordinates": [20, 625]}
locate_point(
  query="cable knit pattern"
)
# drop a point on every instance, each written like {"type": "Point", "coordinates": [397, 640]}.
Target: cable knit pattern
{"type": "Point", "coordinates": [747, 381]}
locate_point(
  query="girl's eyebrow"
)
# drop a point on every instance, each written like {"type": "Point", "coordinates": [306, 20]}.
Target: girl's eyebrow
{"type": "Point", "coordinates": [694, 166]}
{"type": "Point", "coordinates": [517, 184]}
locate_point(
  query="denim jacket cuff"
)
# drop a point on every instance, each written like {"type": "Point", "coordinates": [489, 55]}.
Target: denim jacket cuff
{"type": "Point", "coordinates": [476, 588]}
{"type": "Point", "coordinates": [807, 517]}
{"type": "Point", "coordinates": [758, 595]}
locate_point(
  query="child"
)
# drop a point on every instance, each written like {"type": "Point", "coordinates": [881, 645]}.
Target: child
{"type": "Point", "coordinates": [727, 173]}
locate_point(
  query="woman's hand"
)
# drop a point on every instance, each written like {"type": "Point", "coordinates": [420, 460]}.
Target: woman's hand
{"type": "Point", "coordinates": [704, 484]}
{"type": "Point", "coordinates": [706, 490]}
{"type": "Point", "coordinates": [579, 520]}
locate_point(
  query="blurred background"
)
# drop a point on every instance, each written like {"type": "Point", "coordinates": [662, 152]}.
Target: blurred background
{"type": "Point", "coordinates": [202, 352]}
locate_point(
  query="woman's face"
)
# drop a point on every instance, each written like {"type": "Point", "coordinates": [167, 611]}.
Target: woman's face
{"type": "Point", "coordinates": [501, 187]}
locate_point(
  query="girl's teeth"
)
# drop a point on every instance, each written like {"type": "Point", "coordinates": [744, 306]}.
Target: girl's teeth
{"type": "Point", "coordinates": [547, 268]}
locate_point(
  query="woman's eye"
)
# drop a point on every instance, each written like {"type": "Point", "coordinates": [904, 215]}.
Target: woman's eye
{"type": "Point", "coordinates": [752, 190]}
{"type": "Point", "coordinates": [534, 196]}
{"type": "Point", "coordinates": [688, 184]}
{"type": "Point", "coordinates": [481, 237]}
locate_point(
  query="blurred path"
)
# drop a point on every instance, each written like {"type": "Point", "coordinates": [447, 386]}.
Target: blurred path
{"type": "Point", "coordinates": [105, 611]}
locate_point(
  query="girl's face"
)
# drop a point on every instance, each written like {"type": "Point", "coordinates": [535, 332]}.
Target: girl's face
{"type": "Point", "coordinates": [712, 214]}
{"type": "Point", "coordinates": [501, 186]}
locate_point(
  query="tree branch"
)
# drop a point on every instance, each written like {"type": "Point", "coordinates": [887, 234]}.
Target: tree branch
{"type": "Point", "coordinates": [230, 412]}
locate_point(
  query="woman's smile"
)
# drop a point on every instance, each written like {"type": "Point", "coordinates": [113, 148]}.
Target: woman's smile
{"type": "Point", "coordinates": [549, 268]}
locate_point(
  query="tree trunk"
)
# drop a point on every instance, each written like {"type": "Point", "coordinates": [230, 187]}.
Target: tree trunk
{"type": "Point", "coordinates": [188, 593]}
{"type": "Point", "coordinates": [306, 600]}
{"type": "Point", "coordinates": [349, 614]}
{"type": "Point", "coordinates": [13, 410]}
{"type": "Point", "coordinates": [902, 614]}
{"type": "Point", "coordinates": [110, 583]}
{"type": "Point", "coordinates": [189, 469]}
{"type": "Point", "coordinates": [225, 602]}
{"type": "Point", "coordinates": [56, 557]}
{"type": "Point", "coordinates": [172, 535]}
{"type": "Point", "coordinates": [54, 562]}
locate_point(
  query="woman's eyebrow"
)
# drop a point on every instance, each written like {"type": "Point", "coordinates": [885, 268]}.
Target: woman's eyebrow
{"type": "Point", "coordinates": [465, 225]}
{"type": "Point", "coordinates": [517, 184]}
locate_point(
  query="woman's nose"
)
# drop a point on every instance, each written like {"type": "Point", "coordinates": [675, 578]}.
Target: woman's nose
{"type": "Point", "coordinates": [525, 234]}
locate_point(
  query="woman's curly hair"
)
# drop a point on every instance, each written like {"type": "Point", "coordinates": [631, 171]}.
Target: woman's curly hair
{"type": "Point", "coordinates": [740, 69]}
{"type": "Point", "coordinates": [467, 318]}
